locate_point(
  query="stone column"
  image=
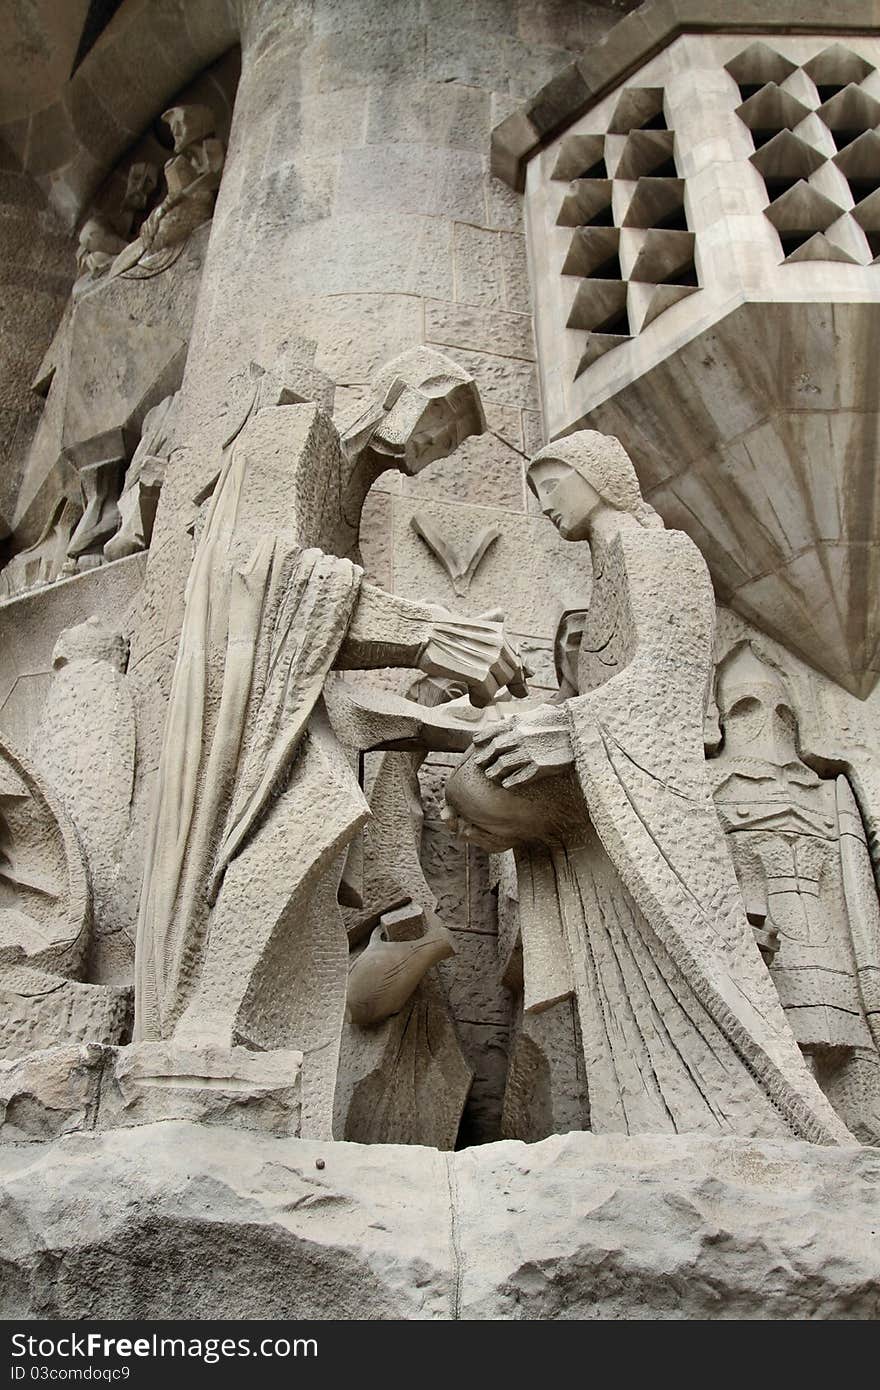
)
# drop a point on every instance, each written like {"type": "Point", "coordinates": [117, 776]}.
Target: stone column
{"type": "Point", "coordinates": [357, 210]}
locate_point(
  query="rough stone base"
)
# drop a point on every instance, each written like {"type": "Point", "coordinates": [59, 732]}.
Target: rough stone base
{"type": "Point", "coordinates": [65, 1090]}
{"type": "Point", "coordinates": [68, 1013]}
{"type": "Point", "coordinates": [138, 1223]}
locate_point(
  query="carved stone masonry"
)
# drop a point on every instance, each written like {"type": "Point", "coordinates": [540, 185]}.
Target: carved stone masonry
{"type": "Point", "coordinates": [802, 862]}
{"type": "Point", "coordinates": [252, 774]}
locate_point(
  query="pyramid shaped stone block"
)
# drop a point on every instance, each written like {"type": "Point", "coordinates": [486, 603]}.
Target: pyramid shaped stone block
{"type": "Point", "coordinates": [577, 153]}
{"type": "Point", "coordinates": [644, 151]}
{"type": "Point", "coordinates": [596, 303]}
{"type": "Point", "coordinates": [759, 63]}
{"type": "Point", "coordinates": [772, 109]}
{"type": "Point", "coordinates": [786, 157]}
{"type": "Point", "coordinates": [585, 200]}
{"type": "Point", "coordinates": [636, 106]}
{"type": "Point", "coordinates": [801, 209]}
{"type": "Point", "coordinates": [819, 248]}
{"type": "Point", "coordinates": [590, 248]}
{"type": "Point", "coordinates": [837, 65]}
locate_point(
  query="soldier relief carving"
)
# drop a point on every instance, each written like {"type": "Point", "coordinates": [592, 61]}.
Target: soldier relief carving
{"type": "Point", "coordinates": [699, 935]}
{"type": "Point", "coordinates": [801, 858]}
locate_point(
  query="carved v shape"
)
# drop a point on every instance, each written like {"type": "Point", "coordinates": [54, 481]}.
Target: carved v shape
{"type": "Point", "coordinates": [460, 565]}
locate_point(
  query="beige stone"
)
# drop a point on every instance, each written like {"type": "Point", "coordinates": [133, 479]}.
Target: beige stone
{"type": "Point", "coordinates": [318, 553]}
{"type": "Point", "coordinates": [624, 756]}
{"type": "Point", "coordinates": [239, 1088]}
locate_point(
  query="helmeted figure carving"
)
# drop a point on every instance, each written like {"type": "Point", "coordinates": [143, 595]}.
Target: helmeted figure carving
{"type": "Point", "coordinates": [803, 866]}
{"type": "Point", "coordinates": [239, 936]}
{"type": "Point", "coordinates": [637, 911]}
{"type": "Point", "coordinates": [192, 177]}
{"type": "Point", "coordinates": [140, 182]}
{"type": "Point", "coordinates": [98, 247]}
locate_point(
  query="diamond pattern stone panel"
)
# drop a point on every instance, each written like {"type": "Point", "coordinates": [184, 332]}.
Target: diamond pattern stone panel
{"type": "Point", "coordinates": [817, 146]}
{"type": "Point", "coordinates": [632, 251]}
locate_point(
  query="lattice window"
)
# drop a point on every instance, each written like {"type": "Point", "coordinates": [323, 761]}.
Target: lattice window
{"type": "Point", "coordinates": [631, 248]}
{"type": "Point", "coordinates": [815, 132]}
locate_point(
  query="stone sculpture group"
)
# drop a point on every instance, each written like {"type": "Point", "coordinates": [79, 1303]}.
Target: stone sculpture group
{"type": "Point", "coordinates": [715, 921]}
{"type": "Point", "coordinates": [689, 923]}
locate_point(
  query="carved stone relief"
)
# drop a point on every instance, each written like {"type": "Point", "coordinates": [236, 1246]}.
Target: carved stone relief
{"type": "Point", "coordinates": [403, 1076]}
{"type": "Point", "coordinates": [191, 179]}
{"type": "Point", "coordinates": [650, 934]}
{"type": "Point", "coordinates": [804, 870]}
{"type": "Point", "coordinates": [346, 802]}
{"type": "Point", "coordinates": [461, 566]}
{"type": "Point", "coordinates": [85, 745]}
{"type": "Point", "coordinates": [45, 923]}
{"type": "Point", "coordinates": [249, 753]}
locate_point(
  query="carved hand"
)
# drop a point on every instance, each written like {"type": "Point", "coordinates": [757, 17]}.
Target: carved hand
{"type": "Point", "coordinates": [524, 750]}
{"type": "Point", "coordinates": [151, 223]}
{"type": "Point", "coordinates": [475, 651]}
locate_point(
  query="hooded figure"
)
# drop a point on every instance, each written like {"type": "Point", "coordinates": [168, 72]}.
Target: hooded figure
{"type": "Point", "coordinates": [635, 907]}
{"type": "Point", "coordinates": [240, 938]}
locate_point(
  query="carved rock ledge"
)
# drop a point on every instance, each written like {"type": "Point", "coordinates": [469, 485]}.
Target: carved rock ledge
{"type": "Point", "coordinates": [577, 1226]}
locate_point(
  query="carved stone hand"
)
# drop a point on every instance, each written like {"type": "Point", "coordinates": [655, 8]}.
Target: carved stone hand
{"type": "Point", "coordinates": [524, 750]}
{"type": "Point", "coordinates": [475, 651]}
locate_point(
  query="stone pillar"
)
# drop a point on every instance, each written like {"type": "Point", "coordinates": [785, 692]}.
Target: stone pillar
{"type": "Point", "coordinates": [357, 210]}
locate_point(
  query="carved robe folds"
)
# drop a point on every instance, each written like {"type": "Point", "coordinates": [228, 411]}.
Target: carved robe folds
{"type": "Point", "coordinates": [635, 908]}
{"type": "Point", "coordinates": [248, 746]}
{"type": "Point", "coordinates": [240, 935]}
{"type": "Point", "coordinates": [680, 1031]}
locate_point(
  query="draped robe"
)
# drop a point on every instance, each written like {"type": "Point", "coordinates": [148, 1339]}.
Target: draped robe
{"type": "Point", "coordinates": [681, 1026]}
{"type": "Point", "coordinates": [255, 800]}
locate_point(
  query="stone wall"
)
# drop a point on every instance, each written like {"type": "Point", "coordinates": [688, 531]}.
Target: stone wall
{"type": "Point", "coordinates": [36, 273]}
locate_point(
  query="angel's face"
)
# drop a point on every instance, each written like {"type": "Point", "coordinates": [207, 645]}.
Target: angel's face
{"type": "Point", "coordinates": [565, 498]}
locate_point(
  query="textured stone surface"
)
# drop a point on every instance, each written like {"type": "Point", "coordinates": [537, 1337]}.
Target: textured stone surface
{"type": "Point", "coordinates": [227, 1086]}
{"type": "Point", "coordinates": [574, 1227]}
{"type": "Point", "coordinates": [67, 1012]}
{"type": "Point", "coordinates": [358, 210]}
{"type": "Point", "coordinates": [51, 1092]}
{"type": "Point", "coordinates": [68, 1088]}
{"type": "Point", "coordinates": [732, 378]}
{"type": "Point", "coordinates": [85, 743]}
{"type": "Point", "coordinates": [532, 598]}
{"type": "Point", "coordinates": [31, 624]}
